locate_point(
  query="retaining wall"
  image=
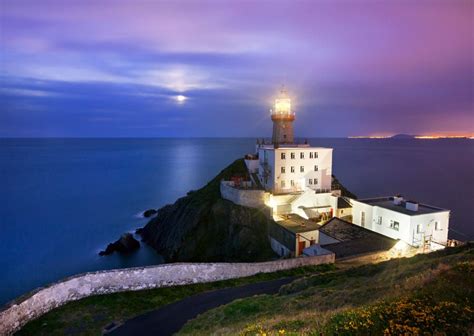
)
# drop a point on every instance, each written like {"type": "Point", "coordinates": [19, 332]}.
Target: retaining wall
{"type": "Point", "coordinates": [39, 302]}
{"type": "Point", "coordinates": [246, 197]}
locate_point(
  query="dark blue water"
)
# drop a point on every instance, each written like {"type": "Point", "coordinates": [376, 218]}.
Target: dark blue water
{"type": "Point", "coordinates": [62, 200]}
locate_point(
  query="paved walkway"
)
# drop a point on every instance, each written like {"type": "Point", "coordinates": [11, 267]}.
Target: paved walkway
{"type": "Point", "coordinates": [171, 318]}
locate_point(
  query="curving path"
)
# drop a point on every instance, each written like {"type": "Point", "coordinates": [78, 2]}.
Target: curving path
{"type": "Point", "coordinates": [169, 319]}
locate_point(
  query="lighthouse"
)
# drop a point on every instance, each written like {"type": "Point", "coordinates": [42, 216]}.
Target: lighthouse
{"type": "Point", "coordinates": [282, 117]}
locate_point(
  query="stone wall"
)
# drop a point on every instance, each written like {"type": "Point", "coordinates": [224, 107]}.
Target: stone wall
{"type": "Point", "coordinates": [246, 197]}
{"type": "Point", "coordinates": [39, 302]}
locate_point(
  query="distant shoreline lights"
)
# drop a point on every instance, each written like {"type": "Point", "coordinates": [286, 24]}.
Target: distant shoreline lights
{"type": "Point", "coordinates": [422, 137]}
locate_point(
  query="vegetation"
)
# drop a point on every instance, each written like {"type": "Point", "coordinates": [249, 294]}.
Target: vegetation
{"type": "Point", "coordinates": [431, 294]}
{"type": "Point", "coordinates": [90, 315]}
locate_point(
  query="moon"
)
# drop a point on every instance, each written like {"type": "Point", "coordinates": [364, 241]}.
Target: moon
{"type": "Point", "coordinates": [180, 99]}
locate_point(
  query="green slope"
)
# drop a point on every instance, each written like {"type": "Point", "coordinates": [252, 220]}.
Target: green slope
{"type": "Point", "coordinates": [431, 294]}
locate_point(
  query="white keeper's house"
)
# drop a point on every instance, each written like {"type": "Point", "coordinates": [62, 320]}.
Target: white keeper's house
{"type": "Point", "coordinates": [294, 182]}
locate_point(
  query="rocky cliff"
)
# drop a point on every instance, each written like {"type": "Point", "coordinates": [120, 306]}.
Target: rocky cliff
{"type": "Point", "coordinates": [204, 227]}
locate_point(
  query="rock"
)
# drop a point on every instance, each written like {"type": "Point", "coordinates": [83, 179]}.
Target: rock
{"type": "Point", "coordinates": [204, 227]}
{"type": "Point", "coordinates": [126, 244]}
{"type": "Point", "coordinates": [149, 213]}
{"type": "Point", "coordinates": [139, 231]}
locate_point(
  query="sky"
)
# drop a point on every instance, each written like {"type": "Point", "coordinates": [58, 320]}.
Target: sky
{"type": "Point", "coordinates": [212, 68]}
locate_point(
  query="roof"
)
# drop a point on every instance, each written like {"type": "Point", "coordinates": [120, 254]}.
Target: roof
{"type": "Point", "coordinates": [298, 224]}
{"type": "Point", "coordinates": [293, 146]}
{"type": "Point", "coordinates": [354, 239]}
{"type": "Point", "coordinates": [387, 203]}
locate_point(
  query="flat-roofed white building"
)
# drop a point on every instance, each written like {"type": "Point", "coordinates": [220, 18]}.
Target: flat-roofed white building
{"type": "Point", "coordinates": [415, 223]}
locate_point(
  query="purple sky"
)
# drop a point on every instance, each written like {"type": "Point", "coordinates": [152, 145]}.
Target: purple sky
{"type": "Point", "coordinates": [115, 68]}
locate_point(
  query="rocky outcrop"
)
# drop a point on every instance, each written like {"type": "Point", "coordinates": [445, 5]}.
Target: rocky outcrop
{"type": "Point", "coordinates": [204, 227]}
{"type": "Point", "coordinates": [150, 212]}
{"type": "Point", "coordinates": [126, 244]}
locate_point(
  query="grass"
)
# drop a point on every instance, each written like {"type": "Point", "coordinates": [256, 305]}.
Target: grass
{"type": "Point", "coordinates": [90, 315]}
{"type": "Point", "coordinates": [431, 293]}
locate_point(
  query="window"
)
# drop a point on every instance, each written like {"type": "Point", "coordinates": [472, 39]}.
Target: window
{"type": "Point", "coordinates": [292, 183]}
{"type": "Point", "coordinates": [362, 218]}
{"type": "Point", "coordinates": [292, 155]}
{"type": "Point", "coordinates": [315, 181]}
{"type": "Point", "coordinates": [316, 168]}
{"type": "Point", "coordinates": [282, 170]}
{"type": "Point", "coordinates": [282, 184]}
{"type": "Point", "coordinates": [437, 226]}
{"type": "Point", "coordinates": [379, 221]}
{"type": "Point", "coordinates": [310, 181]}
{"type": "Point", "coordinates": [292, 169]}
{"type": "Point", "coordinates": [310, 155]}
{"type": "Point", "coordinates": [301, 169]}
{"type": "Point", "coordinates": [283, 156]}
{"type": "Point", "coordinates": [315, 155]}
{"type": "Point", "coordinates": [394, 225]}
{"type": "Point", "coordinates": [301, 155]}
{"type": "Point", "coordinates": [418, 228]}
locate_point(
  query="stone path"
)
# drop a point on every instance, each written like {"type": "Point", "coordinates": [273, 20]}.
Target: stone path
{"type": "Point", "coordinates": [171, 318]}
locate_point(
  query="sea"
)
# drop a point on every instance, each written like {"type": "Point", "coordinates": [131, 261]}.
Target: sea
{"type": "Point", "coordinates": [64, 200]}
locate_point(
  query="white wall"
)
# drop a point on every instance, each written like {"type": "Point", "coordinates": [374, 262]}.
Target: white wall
{"type": "Point", "coordinates": [39, 302]}
{"type": "Point", "coordinates": [252, 165]}
{"type": "Point", "coordinates": [428, 226]}
{"type": "Point", "coordinates": [245, 197]}
{"type": "Point", "coordinates": [357, 209]}
{"type": "Point", "coordinates": [300, 179]}
{"type": "Point", "coordinates": [311, 199]}
{"type": "Point", "coordinates": [306, 237]}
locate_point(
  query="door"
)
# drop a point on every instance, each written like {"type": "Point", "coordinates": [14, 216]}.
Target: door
{"type": "Point", "coordinates": [301, 246]}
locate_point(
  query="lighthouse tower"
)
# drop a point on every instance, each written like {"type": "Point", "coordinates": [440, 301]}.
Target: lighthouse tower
{"type": "Point", "coordinates": [282, 117]}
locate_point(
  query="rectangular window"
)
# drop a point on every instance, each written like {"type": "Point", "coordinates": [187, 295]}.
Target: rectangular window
{"type": "Point", "coordinates": [315, 181]}
{"type": "Point", "coordinates": [292, 155]}
{"type": "Point", "coordinates": [379, 221]}
{"type": "Point", "coordinates": [282, 170]}
{"type": "Point", "coordinates": [362, 218]}
{"type": "Point", "coordinates": [437, 226]}
{"type": "Point", "coordinates": [310, 181]}
{"type": "Point", "coordinates": [292, 169]}
{"type": "Point", "coordinates": [283, 156]}
{"type": "Point", "coordinates": [316, 168]}
{"type": "Point", "coordinates": [315, 155]}
{"type": "Point", "coordinates": [310, 155]}
{"type": "Point", "coordinates": [394, 225]}
{"type": "Point", "coordinates": [418, 228]}
{"type": "Point", "coordinates": [301, 169]}
{"type": "Point", "coordinates": [292, 183]}
{"type": "Point", "coordinates": [282, 184]}
{"type": "Point", "coordinates": [301, 155]}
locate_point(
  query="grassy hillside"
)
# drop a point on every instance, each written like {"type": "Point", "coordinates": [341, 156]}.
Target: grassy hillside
{"type": "Point", "coordinates": [427, 293]}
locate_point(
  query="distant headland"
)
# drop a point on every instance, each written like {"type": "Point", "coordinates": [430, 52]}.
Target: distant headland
{"type": "Point", "coordinates": [414, 136]}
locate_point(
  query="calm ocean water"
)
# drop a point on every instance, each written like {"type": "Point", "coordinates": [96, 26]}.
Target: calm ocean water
{"type": "Point", "coordinates": [62, 200]}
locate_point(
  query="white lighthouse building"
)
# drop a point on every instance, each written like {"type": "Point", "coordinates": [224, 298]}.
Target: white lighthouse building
{"type": "Point", "coordinates": [287, 167]}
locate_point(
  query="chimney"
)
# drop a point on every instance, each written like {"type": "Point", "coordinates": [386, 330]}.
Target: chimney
{"type": "Point", "coordinates": [410, 205]}
{"type": "Point", "coordinates": [397, 200]}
